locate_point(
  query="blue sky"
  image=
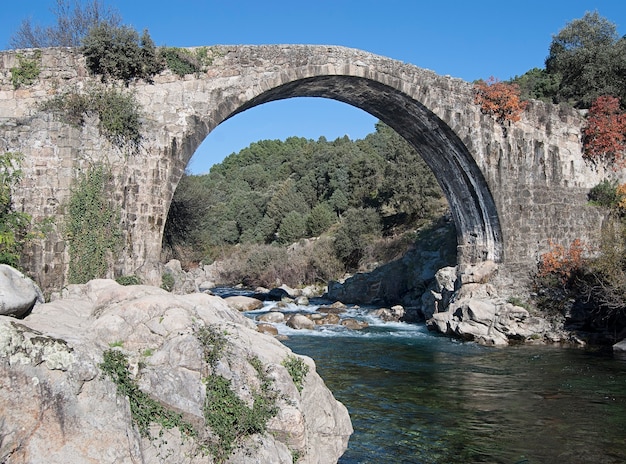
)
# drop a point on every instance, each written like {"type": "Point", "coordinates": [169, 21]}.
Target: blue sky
{"type": "Point", "coordinates": [466, 39]}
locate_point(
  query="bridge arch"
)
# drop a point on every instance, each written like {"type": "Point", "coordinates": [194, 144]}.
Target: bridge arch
{"type": "Point", "coordinates": [473, 208]}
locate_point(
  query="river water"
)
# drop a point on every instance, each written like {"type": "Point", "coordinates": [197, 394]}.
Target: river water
{"type": "Point", "coordinates": [417, 397]}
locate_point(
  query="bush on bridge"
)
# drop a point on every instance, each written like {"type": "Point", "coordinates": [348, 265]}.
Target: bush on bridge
{"type": "Point", "coordinates": [118, 52]}
{"type": "Point", "coordinates": [499, 99]}
{"type": "Point", "coordinates": [119, 118]}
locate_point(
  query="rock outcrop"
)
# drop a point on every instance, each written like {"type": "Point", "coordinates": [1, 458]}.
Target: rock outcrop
{"type": "Point", "coordinates": [465, 305]}
{"type": "Point", "coordinates": [58, 406]}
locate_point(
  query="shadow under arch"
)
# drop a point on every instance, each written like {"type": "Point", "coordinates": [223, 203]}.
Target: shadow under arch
{"type": "Point", "coordinates": [479, 235]}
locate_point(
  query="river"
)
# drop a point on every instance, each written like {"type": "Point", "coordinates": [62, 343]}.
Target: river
{"type": "Point", "coordinates": [417, 397]}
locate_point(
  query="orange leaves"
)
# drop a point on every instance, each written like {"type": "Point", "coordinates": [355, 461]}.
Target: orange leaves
{"type": "Point", "coordinates": [604, 138]}
{"type": "Point", "coordinates": [620, 193]}
{"type": "Point", "coordinates": [561, 262]}
{"type": "Point", "coordinates": [499, 99]}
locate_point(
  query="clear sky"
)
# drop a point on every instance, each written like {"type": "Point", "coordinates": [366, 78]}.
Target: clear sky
{"type": "Point", "coordinates": [462, 38]}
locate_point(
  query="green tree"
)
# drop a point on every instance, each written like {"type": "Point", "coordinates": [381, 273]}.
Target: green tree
{"type": "Point", "coordinates": [339, 201]}
{"type": "Point", "coordinates": [292, 228]}
{"type": "Point", "coordinates": [73, 19]}
{"type": "Point", "coordinates": [358, 228]}
{"type": "Point", "coordinates": [410, 193]}
{"type": "Point", "coordinates": [286, 198]}
{"type": "Point", "coordinates": [590, 58]}
{"type": "Point", "coordinates": [320, 219]}
{"type": "Point", "coordinates": [538, 84]}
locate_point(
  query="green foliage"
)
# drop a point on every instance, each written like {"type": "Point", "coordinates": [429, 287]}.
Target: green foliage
{"type": "Point", "coordinates": [93, 226]}
{"type": "Point", "coordinates": [585, 61]}
{"type": "Point", "coordinates": [358, 229]}
{"type": "Point", "coordinates": [227, 415]}
{"type": "Point", "coordinates": [292, 228]}
{"type": "Point", "coordinates": [213, 341]}
{"type": "Point", "coordinates": [118, 112]}
{"type": "Point", "coordinates": [604, 194]}
{"type": "Point", "coordinates": [231, 419]}
{"type": "Point", "coordinates": [118, 52]}
{"type": "Point", "coordinates": [538, 84]}
{"type": "Point", "coordinates": [128, 280]}
{"type": "Point", "coordinates": [297, 369]}
{"type": "Point", "coordinates": [167, 281]}
{"type": "Point", "coordinates": [320, 219]}
{"type": "Point", "coordinates": [28, 70]}
{"type": "Point", "coordinates": [14, 225]}
{"type": "Point", "coordinates": [184, 61]}
{"type": "Point", "coordinates": [144, 409]}
{"type": "Point", "coordinates": [588, 55]}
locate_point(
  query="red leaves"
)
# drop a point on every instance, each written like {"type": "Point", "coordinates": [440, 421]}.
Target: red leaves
{"type": "Point", "coordinates": [561, 262]}
{"type": "Point", "coordinates": [499, 99]}
{"type": "Point", "coordinates": [604, 138]}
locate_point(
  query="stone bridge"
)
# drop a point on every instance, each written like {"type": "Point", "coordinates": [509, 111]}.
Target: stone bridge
{"type": "Point", "coordinates": [510, 192]}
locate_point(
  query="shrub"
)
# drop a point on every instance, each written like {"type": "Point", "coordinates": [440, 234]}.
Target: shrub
{"type": "Point", "coordinates": [604, 194]}
{"type": "Point", "coordinates": [227, 415]}
{"type": "Point", "coordinates": [183, 61]}
{"type": "Point", "coordinates": [604, 138]}
{"type": "Point", "coordinates": [27, 72]}
{"type": "Point", "coordinates": [357, 230]}
{"type": "Point", "coordinates": [562, 262]}
{"type": "Point", "coordinates": [118, 112]}
{"type": "Point", "coordinates": [167, 281]}
{"type": "Point", "coordinates": [297, 369]}
{"type": "Point", "coordinates": [117, 52]}
{"type": "Point", "coordinates": [144, 409]}
{"type": "Point", "coordinates": [500, 100]}
{"type": "Point", "coordinates": [128, 280]}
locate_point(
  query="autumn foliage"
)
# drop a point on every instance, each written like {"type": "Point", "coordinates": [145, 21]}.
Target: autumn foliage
{"type": "Point", "coordinates": [562, 262]}
{"type": "Point", "coordinates": [604, 138]}
{"type": "Point", "coordinates": [499, 99]}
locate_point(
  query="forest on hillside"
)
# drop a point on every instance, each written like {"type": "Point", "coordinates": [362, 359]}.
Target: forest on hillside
{"type": "Point", "coordinates": [275, 193]}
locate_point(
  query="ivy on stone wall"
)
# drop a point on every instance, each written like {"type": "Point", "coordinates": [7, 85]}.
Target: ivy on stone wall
{"type": "Point", "coordinates": [93, 226]}
{"type": "Point", "coordinates": [13, 224]}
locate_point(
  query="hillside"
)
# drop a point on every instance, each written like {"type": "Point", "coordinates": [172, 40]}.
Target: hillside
{"type": "Point", "coordinates": [352, 194]}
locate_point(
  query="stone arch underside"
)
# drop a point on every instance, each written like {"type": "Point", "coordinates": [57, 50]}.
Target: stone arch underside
{"type": "Point", "coordinates": [479, 235]}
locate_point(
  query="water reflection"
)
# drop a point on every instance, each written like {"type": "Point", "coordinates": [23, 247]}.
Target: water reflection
{"type": "Point", "coordinates": [426, 399]}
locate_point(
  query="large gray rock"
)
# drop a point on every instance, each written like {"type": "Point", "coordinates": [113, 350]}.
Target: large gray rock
{"type": "Point", "coordinates": [243, 303]}
{"type": "Point", "coordinates": [299, 322]}
{"type": "Point", "coordinates": [18, 293]}
{"type": "Point", "coordinates": [58, 407]}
